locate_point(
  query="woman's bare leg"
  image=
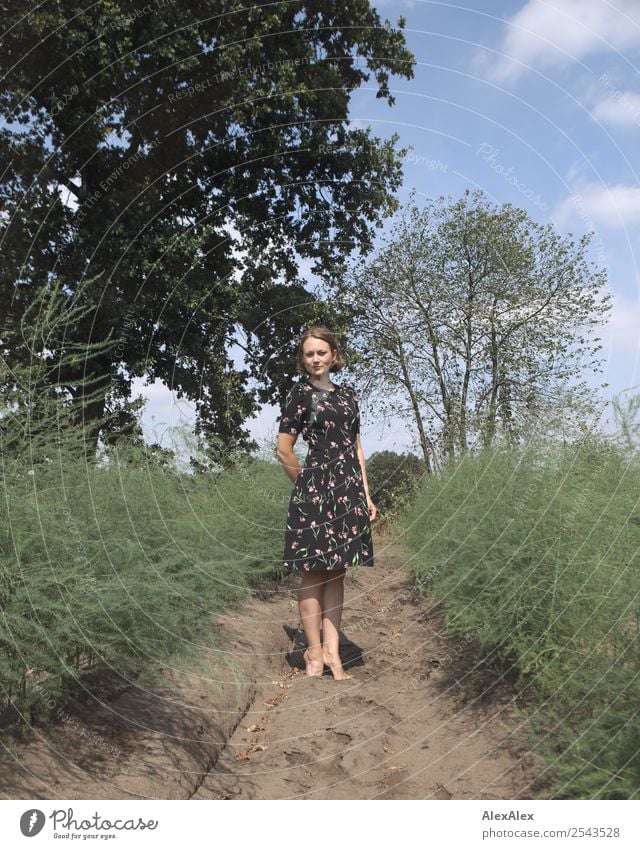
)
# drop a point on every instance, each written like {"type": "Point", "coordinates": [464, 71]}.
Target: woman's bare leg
{"type": "Point", "coordinates": [331, 618]}
{"type": "Point", "coordinates": [310, 599]}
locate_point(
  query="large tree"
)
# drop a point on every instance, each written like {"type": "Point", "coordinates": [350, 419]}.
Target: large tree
{"type": "Point", "coordinates": [187, 156]}
{"type": "Point", "coordinates": [476, 322]}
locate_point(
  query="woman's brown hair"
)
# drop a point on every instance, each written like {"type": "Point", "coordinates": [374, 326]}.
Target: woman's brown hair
{"type": "Point", "coordinates": [319, 331]}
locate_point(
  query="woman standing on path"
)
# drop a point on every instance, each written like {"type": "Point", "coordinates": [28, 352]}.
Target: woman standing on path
{"type": "Point", "coordinates": [330, 510]}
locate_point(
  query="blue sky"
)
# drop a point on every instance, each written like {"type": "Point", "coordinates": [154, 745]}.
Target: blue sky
{"type": "Point", "coordinates": [536, 103]}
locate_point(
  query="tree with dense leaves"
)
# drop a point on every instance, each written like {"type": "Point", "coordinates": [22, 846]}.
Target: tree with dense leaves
{"type": "Point", "coordinates": [188, 157]}
{"type": "Point", "coordinates": [394, 479]}
{"type": "Point", "coordinates": [476, 322]}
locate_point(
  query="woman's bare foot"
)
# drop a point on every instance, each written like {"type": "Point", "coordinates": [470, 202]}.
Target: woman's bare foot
{"type": "Point", "coordinates": [335, 665]}
{"type": "Point", "coordinates": [315, 665]}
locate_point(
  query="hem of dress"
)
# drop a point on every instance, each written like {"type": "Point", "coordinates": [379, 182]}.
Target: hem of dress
{"type": "Point", "coordinates": [292, 570]}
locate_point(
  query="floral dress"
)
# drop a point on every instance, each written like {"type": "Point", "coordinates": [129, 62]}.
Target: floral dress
{"type": "Point", "coordinates": [328, 524]}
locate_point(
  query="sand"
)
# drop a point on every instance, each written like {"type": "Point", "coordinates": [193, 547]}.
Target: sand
{"type": "Point", "coordinates": [418, 720]}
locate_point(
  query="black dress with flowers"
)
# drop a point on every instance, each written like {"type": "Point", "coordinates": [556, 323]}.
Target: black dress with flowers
{"type": "Point", "coordinates": [328, 524]}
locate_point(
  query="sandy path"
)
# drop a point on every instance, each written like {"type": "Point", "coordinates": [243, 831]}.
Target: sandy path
{"type": "Point", "coordinates": [412, 723]}
{"type": "Point", "coordinates": [401, 728]}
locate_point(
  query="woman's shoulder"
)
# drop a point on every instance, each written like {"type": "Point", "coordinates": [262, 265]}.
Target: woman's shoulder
{"type": "Point", "coordinates": [303, 388]}
{"type": "Point", "coordinates": [299, 389]}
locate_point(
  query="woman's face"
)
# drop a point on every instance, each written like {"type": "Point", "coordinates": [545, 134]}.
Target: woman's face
{"type": "Point", "coordinates": [317, 356]}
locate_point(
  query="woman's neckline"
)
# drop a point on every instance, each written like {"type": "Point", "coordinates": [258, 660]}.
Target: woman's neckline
{"type": "Point", "coordinates": [321, 388]}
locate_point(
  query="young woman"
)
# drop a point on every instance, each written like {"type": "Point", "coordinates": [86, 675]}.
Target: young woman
{"type": "Point", "coordinates": [330, 510]}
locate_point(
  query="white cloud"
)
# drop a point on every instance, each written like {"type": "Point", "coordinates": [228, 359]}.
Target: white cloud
{"type": "Point", "coordinates": [552, 33]}
{"type": "Point", "coordinates": [623, 328]}
{"type": "Point", "coordinates": [598, 204]}
{"type": "Point", "coordinates": [622, 108]}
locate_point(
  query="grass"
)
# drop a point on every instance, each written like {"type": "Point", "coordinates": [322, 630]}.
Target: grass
{"type": "Point", "coordinates": [534, 553]}
{"type": "Point", "coordinates": [123, 567]}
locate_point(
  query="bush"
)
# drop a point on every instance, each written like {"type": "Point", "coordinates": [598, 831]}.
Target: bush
{"type": "Point", "coordinates": [393, 479]}
{"type": "Point", "coordinates": [535, 552]}
{"type": "Point", "coordinates": [117, 563]}
{"type": "Point", "coordinates": [122, 566]}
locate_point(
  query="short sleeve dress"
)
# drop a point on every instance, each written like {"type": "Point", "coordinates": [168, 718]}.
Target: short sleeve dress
{"type": "Point", "coordinates": [328, 526]}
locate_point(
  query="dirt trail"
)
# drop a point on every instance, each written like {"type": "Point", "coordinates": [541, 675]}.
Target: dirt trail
{"type": "Point", "coordinates": [408, 725]}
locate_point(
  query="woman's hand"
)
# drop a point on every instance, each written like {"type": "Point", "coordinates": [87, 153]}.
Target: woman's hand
{"type": "Point", "coordinates": [372, 509]}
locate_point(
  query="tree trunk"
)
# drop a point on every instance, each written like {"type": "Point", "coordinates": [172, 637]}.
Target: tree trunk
{"type": "Point", "coordinates": [425, 443]}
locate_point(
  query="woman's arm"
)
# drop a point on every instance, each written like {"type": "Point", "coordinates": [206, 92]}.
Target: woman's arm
{"type": "Point", "coordinates": [362, 465]}
{"type": "Point", "coordinates": [287, 455]}
{"type": "Point", "coordinates": [373, 510]}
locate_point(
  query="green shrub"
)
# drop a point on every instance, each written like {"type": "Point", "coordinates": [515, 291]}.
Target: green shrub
{"type": "Point", "coordinates": [393, 479]}
{"type": "Point", "coordinates": [536, 552]}
{"type": "Point", "coordinates": [124, 565]}
{"type": "Point", "coordinates": [115, 562]}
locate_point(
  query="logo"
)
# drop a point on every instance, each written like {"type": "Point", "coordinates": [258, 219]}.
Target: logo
{"type": "Point", "coordinates": [31, 822]}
